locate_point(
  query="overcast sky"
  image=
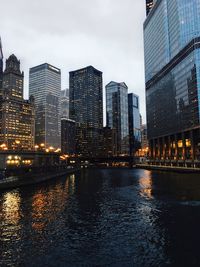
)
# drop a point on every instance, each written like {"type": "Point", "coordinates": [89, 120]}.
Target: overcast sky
{"type": "Point", "coordinates": [71, 34]}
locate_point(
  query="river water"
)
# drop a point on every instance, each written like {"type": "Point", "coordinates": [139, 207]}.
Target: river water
{"type": "Point", "coordinates": [103, 217]}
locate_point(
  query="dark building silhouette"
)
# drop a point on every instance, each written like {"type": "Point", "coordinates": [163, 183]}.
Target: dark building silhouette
{"type": "Point", "coordinates": [68, 133]}
{"type": "Point", "coordinates": [17, 116]}
{"type": "Point", "coordinates": [86, 109]}
{"type": "Point", "coordinates": [109, 146]}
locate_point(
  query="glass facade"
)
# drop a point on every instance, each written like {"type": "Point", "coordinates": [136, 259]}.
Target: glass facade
{"type": "Point", "coordinates": [134, 123]}
{"type": "Point", "coordinates": [1, 64]}
{"type": "Point", "coordinates": [117, 114]}
{"type": "Point", "coordinates": [45, 87]}
{"type": "Point", "coordinates": [172, 67]}
{"type": "Point", "coordinates": [86, 109]}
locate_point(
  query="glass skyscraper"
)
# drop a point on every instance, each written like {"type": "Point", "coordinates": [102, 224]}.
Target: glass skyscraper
{"type": "Point", "coordinates": [172, 72]}
{"type": "Point", "coordinates": [64, 102]}
{"type": "Point", "coordinates": [45, 87]}
{"type": "Point", "coordinates": [86, 109]}
{"type": "Point", "coordinates": [117, 114]}
{"type": "Point", "coordinates": [134, 123]}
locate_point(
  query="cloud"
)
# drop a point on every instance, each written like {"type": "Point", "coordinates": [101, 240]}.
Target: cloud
{"type": "Point", "coordinates": [71, 34]}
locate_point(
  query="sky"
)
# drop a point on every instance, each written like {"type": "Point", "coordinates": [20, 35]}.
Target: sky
{"type": "Point", "coordinates": [72, 34]}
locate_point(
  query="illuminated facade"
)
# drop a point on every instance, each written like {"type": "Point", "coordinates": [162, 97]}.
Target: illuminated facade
{"type": "Point", "coordinates": [17, 116]}
{"type": "Point", "coordinates": [134, 123]}
{"type": "Point", "coordinates": [45, 87]}
{"type": "Point", "coordinates": [117, 114]}
{"type": "Point", "coordinates": [86, 109]}
{"type": "Point", "coordinates": [149, 6]}
{"type": "Point", "coordinates": [172, 72]}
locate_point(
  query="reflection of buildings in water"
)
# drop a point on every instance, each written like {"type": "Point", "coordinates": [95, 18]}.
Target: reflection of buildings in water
{"type": "Point", "coordinates": [145, 183]}
{"type": "Point", "coordinates": [46, 205]}
{"type": "Point", "coordinates": [10, 215]}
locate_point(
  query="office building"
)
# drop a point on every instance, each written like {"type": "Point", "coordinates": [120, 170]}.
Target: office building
{"type": "Point", "coordinates": [172, 72]}
{"type": "Point", "coordinates": [86, 109]}
{"type": "Point", "coordinates": [17, 116]}
{"type": "Point", "coordinates": [45, 87]}
{"type": "Point", "coordinates": [117, 114]}
{"type": "Point", "coordinates": [64, 100]}
{"type": "Point", "coordinates": [68, 133]}
{"type": "Point", "coordinates": [109, 146]}
{"type": "Point", "coordinates": [149, 6]}
{"type": "Point", "coordinates": [134, 120]}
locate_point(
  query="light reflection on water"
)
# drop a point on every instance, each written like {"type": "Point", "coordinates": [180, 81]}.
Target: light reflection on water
{"type": "Point", "coordinates": [103, 217]}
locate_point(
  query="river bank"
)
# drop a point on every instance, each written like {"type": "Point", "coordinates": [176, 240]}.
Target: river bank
{"type": "Point", "coordinates": [168, 168]}
{"type": "Point", "coordinates": [14, 181]}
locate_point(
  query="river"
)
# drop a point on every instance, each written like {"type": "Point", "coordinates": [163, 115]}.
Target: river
{"type": "Point", "coordinates": [103, 217]}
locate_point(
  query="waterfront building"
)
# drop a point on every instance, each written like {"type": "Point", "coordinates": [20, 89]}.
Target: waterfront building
{"type": "Point", "coordinates": [134, 120]}
{"type": "Point", "coordinates": [117, 114]}
{"type": "Point", "coordinates": [1, 64]}
{"type": "Point", "coordinates": [109, 147]}
{"type": "Point", "coordinates": [45, 86]}
{"type": "Point", "coordinates": [149, 6]}
{"type": "Point", "coordinates": [68, 133]}
{"type": "Point", "coordinates": [86, 109]}
{"type": "Point", "coordinates": [17, 116]}
{"type": "Point", "coordinates": [172, 73]}
{"type": "Point", "coordinates": [64, 100]}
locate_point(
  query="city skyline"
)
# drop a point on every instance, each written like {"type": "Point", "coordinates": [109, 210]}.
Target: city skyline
{"type": "Point", "coordinates": [105, 39]}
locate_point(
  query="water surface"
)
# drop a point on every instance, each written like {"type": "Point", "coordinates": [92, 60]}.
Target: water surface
{"type": "Point", "coordinates": [111, 217]}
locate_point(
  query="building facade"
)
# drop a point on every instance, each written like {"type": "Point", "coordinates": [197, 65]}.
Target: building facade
{"type": "Point", "coordinates": [172, 72]}
{"type": "Point", "coordinates": [68, 133]}
{"type": "Point", "coordinates": [64, 102]}
{"type": "Point", "coordinates": [109, 142]}
{"type": "Point", "coordinates": [45, 87]}
{"type": "Point", "coordinates": [149, 6]}
{"type": "Point", "coordinates": [134, 121]}
{"type": "Point", "coordinates": [117, 114]}
{"type": "Point", "coordinates": [17, 116]}
{"type": "Point", "coordinates": [86, 109]}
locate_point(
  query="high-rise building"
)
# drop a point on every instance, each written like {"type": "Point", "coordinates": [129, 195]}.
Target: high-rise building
{"type": "Point", "coordinates": [45, 86]}
{"type": "Point", "coordinates": [17, 116]}
{"type": "Point", "coordinates": [68, 133]}
{"type": "Point", "coordinates": [64, 102]}
{"type": "Point", "coordinates": [1, 64]}
{"type": "Point", "coordinates": [86, 109]}
{"type": "Point", "coordinates": [134, 123]}
{"type": "Point", "coordinates": [172, 72]}
{"type": "Point", "coordinates": [149, 6]}
{"type": "Point", "coordinates": [117, 114]}
{"type": "Point", "coordinates": [144, 141]}
{"type": "Point", "coordinates": [109, 146]}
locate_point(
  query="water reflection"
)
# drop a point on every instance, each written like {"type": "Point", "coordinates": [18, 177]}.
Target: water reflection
{"type": "Point", "coordinates": [145, 182]}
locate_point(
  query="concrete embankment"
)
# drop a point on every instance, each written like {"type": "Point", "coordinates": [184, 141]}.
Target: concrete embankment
{"type": "Point", "coordinates": [13, 182]}
{"type": "Point", "coordinates": [168, 168]}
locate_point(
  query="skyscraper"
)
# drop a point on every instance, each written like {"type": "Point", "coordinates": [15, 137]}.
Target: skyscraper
{"type": "Point", "coordinates": [1, 64]}
{"type": "Point", "coordinates": [17, 115]}
{"type": "Point", "coordinates": [64, 100]}
{"type": "Point", "coordinates": [172, 72]}
{"type": "Point", "coordinates": [86, 109]}
{"type": "Point", "coordinates": [117, 114]}
{"type": "Point", "coordinates": [134, 123]}
{"type": "Point", "coordinates": [149, 5]}
{"type": "Point", "coordinates": [45, 86]}
{"type": "Point", "coordinates": [68, 133]}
